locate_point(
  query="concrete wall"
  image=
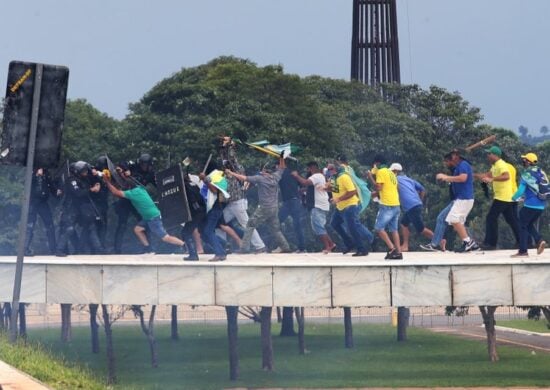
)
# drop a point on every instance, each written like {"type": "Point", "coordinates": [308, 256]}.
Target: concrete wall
{"type": "Point", "coordinates": [269, 280]}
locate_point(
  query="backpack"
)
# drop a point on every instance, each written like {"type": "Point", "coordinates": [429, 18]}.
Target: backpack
{"type": "Point", "coordinates": [538, 183]}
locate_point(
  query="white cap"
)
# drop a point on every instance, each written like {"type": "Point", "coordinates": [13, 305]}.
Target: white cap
{"type": "Point", "coordinates": [396, 167]}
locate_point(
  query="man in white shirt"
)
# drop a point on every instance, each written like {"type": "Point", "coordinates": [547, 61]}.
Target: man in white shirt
{"type": "Point", "coordinates": [317, 202]}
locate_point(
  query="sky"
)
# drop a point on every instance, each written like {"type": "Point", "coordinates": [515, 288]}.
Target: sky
{"type": "Point", "coordinates": [494, 52]}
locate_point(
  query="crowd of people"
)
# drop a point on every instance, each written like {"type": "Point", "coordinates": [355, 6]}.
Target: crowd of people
{"type": "Point", "coordinates": [218, 206]}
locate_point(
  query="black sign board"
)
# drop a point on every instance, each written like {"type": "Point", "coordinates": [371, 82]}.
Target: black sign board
{"type": "Point", "coordinates": [172, 197]}
{"type": "Point", "coordinates": [18, 109]}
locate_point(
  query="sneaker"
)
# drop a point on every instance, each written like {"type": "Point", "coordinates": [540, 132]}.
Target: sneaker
{"type": "Point", "coordinates": [60, 254]}
{"type": "Point", "coordinates": [468, 246]}
{"type": "Point", "coordinates": [191, 258]}
{"type": "Point", "coordinates": [394, 255]}
{"type": "Point", "coordinates": [218, 258]}
{"type": "Point", "coordinates": [281, 250]}
{"type": "Point", "coordinates": [430, 247]}
{"type": "Point", "coordinates": [520, 254]}
{"type": "Point", "coordinates": [261, 250]}
{"type": "Point", "coordinates": [540, 246]}
{"type": "Point", "coordinates": [360, 253]}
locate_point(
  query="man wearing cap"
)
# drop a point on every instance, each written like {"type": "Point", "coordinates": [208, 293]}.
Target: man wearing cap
{"type": "Point", "coordinates": [533, 207]}
{"type": "Point", "coordinates": [411, 195]}
{"type": "Point", "coordinates": [462, 184]}
{"type": "Point", "coordinates": [501, 178]}
{"type": "Point", "coordinates": [388, 213]}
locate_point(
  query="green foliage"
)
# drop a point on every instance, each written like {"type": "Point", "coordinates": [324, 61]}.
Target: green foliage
{"type": "Point", "coordinates": [89, 133]}
{"type": "Point", "coordinates": [199, 359]}
{"type": "Point", "coordinates": [185, 113]}
{"type": "Point", "coordinates": [55, 371]}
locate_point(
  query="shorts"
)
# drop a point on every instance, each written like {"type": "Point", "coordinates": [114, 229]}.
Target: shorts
{"type": "Point", "coordinates": [155, 226]}
{"type": "Point", "coordinates": [459, 211]}
{"type": "Point", "coordinates": [318, 221]}
{"type": "Point", "coordinates": [388, 217]}
{"type": "Point", "coordinates": [414, 216]}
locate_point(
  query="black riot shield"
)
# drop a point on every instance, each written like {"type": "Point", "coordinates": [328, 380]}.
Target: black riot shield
{"type": "Point", "coordinates": [51, 94]}
{"type": "Point", "coordinates": [121, 182]}
{"type": "Point", "coordinates": [172, 197]}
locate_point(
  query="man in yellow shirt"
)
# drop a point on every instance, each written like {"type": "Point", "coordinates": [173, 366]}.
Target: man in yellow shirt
{"type": "Point", "coordinates": [503, 180]}
{"type": "Point", "coordinates": [388, 213]}
{"type": "Point", "coordinates": [344, 197]}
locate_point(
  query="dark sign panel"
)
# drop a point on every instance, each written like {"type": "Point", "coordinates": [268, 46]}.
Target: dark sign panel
{"type": "Point", "coordinates": [172, 197]}
{"type": "Point", "coordinates": [18, 109]}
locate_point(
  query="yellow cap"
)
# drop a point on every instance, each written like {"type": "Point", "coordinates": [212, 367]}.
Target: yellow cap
{"type": "Point", "coordinates": [531, 157]}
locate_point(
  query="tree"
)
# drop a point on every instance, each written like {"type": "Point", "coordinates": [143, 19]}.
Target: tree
{"type": "Point", "coordinates": [148, 330]}
{"type": "Point", "coordinates": [544, 130]}
{"type": "Point", "coordinates": [523, 131]}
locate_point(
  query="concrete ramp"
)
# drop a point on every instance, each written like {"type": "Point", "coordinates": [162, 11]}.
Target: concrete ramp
{"type": "Point", "coordinates": [310, 280]}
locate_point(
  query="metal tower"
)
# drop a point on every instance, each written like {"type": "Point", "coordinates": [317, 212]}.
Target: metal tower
{"type": "Point", "coordinates": [374, 42]}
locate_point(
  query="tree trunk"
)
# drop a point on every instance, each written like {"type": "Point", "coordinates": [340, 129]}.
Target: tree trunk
{"type": "Point", "coordinates": [94, 328]}
{"type": "Point", "coordinates": [232, 336]}
{"type": "Point", "coordinates": [301, 339]}
{"type": "Point", "coordinates": [22, 321]}
{"type": "Point", "coordinates": [348, 328]}
{"type": "Point", "coordinates": [403, 314]}
{"type": "Point", "coordinates": [267, 345]}
{"type": "Point", "coordinates": [174, 335]}
{"type": "Point", "coordinates": [287, 324]}
{"type": "Point", "coordinates": [111, 369]}
{"type": "Point", "coordinates": [66, 322]}
{"type": "Point", "coordinates": [3, 326]}
{"type": "Point", "coordinates": [546, 312]}
{"type": "Point", "coordinates": [148, 331]}
{"type": "Point", "coordinates": [488, 313]}
{"type": "Point", "coordinates": [7, 315]}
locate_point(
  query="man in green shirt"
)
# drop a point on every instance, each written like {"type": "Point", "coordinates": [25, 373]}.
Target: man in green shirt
{"type": "Point", "coordinates": [149, 212]}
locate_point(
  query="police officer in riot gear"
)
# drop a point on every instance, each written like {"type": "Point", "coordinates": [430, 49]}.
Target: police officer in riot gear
{"type": "Point", "coordinates": [101, 199]}
{"type": "Point", "coordinates": [41, 188]}
{"type": "Point", "coordinates": [80, 208]}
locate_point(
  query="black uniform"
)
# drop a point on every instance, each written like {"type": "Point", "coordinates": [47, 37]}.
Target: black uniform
{"type": "Point", "coordinates": [78, 208]}
{"type": "Point", "coordinates": [41, 188]}
{"type": "Point", "coordinates": [197, 207]}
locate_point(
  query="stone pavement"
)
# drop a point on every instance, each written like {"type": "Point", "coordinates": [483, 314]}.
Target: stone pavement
{"type": "Point", "coordinates": [13, 379]}
{"type": "Point", "coordinates": [505, 336]}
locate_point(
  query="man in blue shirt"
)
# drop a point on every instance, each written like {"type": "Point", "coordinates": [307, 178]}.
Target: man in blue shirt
{"type": "Point", "coordinates": [411, 194]}
{"type": "Point", "coordinates": [462, 183]}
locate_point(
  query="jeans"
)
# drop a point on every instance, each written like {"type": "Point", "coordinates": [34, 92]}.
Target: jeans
{"type": "Point", "coordinates": [294, 209]}
{"type": "Point", "coordinates": [318, 221]}
{"type": "Point", "coordinates": [388, 217]}
{"type": "Point", "coordinates": [359, 233]}
{"type": "Point", "coordinates": [508, 210]}
{"type": "Point", "coordinates": [527, 218]}
{"type": "Point", "coordinates": [441, 225]}
{"type": "Point", "coordinates": [209, 230]}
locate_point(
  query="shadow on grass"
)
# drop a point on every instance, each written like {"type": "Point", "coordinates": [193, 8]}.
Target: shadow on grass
{"type": "Point", "coordinates": [199, 359]}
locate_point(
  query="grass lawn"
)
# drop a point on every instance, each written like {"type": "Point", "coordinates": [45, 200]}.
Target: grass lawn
{"type": "Point", "coordinates": [52, 370]}
{"type": "Point", "coordinates": [540, 326]}
{"type": "Point", "coordinates": [199, 359]}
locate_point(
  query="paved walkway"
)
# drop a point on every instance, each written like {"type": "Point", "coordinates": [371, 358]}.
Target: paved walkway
{"type": "Point", "coordinates": [13, 379]}
{"type": "Point", "coordinates": [505, 336]}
